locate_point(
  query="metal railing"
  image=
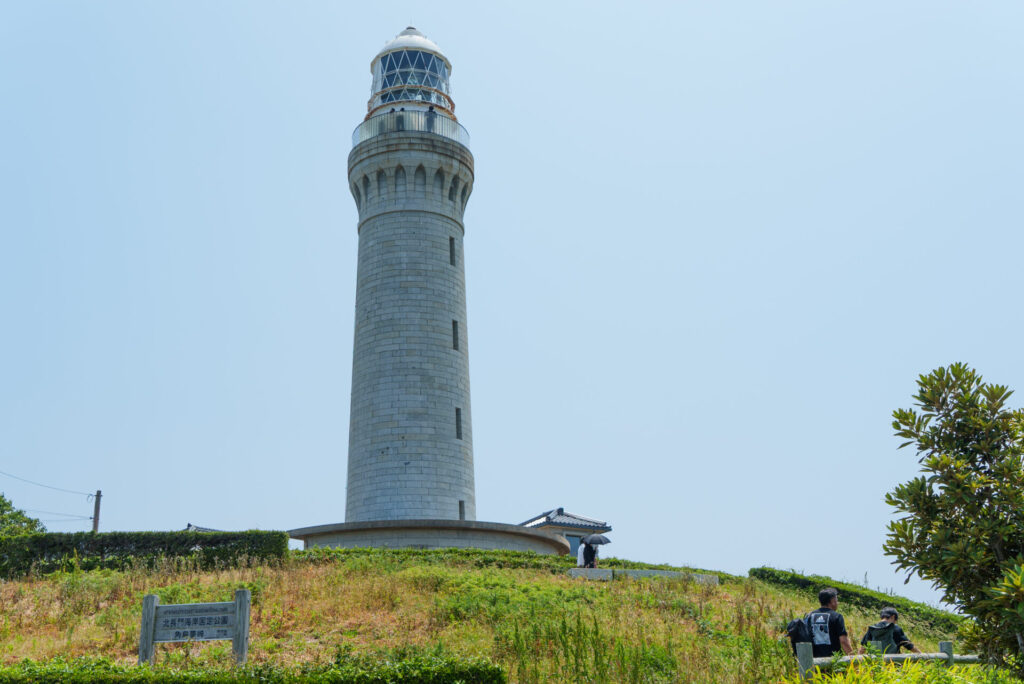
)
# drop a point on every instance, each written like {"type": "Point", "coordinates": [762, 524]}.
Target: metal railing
{"type": "Point", "coordinates": [807, 662]}
{"type": "Point", "coordinates": [410, 120]}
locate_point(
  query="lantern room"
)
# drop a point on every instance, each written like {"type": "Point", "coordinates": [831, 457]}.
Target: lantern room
{"type": "Point", "coordinates": [410, 72]}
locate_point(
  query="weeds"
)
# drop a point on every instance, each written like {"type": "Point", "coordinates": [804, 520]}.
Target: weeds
{"type": "Point", "coordinates": [519, 610]}
{"type": "Point", "coordinates": [877, 672]}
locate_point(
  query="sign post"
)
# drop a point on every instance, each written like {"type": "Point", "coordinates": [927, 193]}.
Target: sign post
{"type": "Point", "coordinates": [195, 622]}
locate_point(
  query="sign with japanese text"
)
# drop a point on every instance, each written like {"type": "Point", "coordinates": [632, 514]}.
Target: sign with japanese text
{"type": "Point", "coordinates": [195, 622]}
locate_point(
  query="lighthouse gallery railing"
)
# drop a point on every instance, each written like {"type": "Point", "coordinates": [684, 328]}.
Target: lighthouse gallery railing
{"type": "Point", "coordinates": [410, 120]}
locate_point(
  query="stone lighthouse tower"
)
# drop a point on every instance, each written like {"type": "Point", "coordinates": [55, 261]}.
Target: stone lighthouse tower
{"type": "Point", "coordinates": [410, 172]}
{"type": "Point", "coordinates": [410, 453]}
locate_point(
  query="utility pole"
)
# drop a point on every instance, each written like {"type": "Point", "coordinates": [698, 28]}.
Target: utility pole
{"type": "Point", "coordinates": [96, 512]}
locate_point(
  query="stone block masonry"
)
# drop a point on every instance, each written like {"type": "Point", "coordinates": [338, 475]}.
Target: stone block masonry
{"type": "Point", "coordinates": [410, 437]}
{"type": "Point", "coordinates": [410, 456]}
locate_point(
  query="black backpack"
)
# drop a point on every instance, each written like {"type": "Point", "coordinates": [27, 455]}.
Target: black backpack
{"type": "Point", "coordinates": [799, 631]}
{"type": "Point", "coordinates": [884, 635]}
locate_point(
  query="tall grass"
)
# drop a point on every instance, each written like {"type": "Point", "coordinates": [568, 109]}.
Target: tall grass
{"type": "Point", "coordinates": [519, 610]}
{"type": "Point", "coordinates": [877, 672]}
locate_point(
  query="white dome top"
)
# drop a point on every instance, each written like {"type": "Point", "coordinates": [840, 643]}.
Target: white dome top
{"type": "Point", "coordinates": [411, 38]}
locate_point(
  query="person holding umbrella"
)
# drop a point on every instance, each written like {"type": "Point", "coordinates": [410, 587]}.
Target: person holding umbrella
{"type": "Point", "coordinates": [590, 550]}
{"type": "Point", "coordinates": [589, 555]}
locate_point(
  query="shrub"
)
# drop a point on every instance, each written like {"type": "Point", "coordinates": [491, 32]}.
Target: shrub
{"type": "Point", "coordinates": [54, 551]}
{"type": "Point", "coordinates": [415, 667]}
{"type": "Point", "coordinates": [875, 671]}
{"type": "Point", "coordinates": [860, 596]}
{"type": "Point", "coordinates": [395, 559]}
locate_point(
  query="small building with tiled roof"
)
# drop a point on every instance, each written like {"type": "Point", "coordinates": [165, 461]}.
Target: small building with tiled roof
{"type": "Point", "coordinates": [570, 525]}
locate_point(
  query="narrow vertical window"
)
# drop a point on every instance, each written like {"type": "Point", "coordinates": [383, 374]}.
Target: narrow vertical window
{"type": "Point", "coordinates": [462, 509]}
{"type": "Point", "coordinates": [451, 250]}
{"type": "Point", "coordinates": [455, 335]}
{"type": "Point", "coordinates": [458, 423]}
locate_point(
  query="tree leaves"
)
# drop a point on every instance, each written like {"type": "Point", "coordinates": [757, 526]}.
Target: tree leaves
{"type": "Point", "coordinates": [962, 523]}
{"type": "Point", "coordinates": [14, 521]}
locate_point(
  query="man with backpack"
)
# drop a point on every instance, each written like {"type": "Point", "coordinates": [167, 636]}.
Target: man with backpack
{"type": "Point", "coordinates": [825, 627]}
{"type": "Point", "coordinates": [888, 633]}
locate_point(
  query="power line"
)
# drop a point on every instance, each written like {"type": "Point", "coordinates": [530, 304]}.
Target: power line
{"type": "Point", "coordinates": [73, 515]}
{"type": "Point", "coordinates": [38, 484]}
{"type": "Point", "coordinates": [60, 520]}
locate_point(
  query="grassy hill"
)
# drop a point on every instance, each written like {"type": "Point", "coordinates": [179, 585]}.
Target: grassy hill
{"type": "Point", "coordinates": [517, 610]}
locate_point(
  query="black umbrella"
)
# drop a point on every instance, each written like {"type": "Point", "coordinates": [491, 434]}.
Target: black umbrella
{"type": "Point", "coordinates": [596, 539]}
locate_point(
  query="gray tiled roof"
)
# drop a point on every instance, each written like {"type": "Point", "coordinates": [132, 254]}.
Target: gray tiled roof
{"type": "Point", "coordinates": [559, 516]}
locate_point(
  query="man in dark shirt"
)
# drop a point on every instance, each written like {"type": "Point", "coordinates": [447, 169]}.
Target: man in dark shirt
{"type": "Point", "coordinates": [889, 617]}
{"type": "Point", "coordinates": [828, 626]}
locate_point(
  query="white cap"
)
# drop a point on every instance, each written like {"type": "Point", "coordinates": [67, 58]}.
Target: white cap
{"type": "Point", "coordinates": [411, 38]}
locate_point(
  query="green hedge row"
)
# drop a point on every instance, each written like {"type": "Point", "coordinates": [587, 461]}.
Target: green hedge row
{"type": "Point", "coordinates": [860, 596]}
{"type": "Point", "coordinates": [393, 559]}
{"type": "Point", "coordinates": [425, 669]}
{"type": "Point", "coordinates": [54, 551]}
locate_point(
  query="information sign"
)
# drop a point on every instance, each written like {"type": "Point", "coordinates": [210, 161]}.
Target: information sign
{"type": "Point", "coordinates": [195, 622]}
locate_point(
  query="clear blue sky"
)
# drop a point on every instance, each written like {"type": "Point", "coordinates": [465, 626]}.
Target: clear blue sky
{"type": "Point", "coordinates": [709, 249]}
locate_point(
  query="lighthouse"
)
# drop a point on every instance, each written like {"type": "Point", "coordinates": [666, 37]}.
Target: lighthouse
{"type": "Point", "coordinates": [410, 453]}
{"type": "Point", "coordinates": [410, 478]}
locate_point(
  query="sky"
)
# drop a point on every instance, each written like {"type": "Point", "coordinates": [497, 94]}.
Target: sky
{"type": "Point", "coordinates": [709, 250]}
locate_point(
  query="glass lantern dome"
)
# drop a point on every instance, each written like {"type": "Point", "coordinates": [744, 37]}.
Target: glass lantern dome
{"type": "Point", "coordinates": [410, 72]}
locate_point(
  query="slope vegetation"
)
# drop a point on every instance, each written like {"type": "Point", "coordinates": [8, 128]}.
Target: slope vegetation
{"type": "Point", "coordinates": [519, 611]}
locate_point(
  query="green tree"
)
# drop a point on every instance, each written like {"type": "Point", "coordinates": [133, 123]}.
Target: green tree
{"type": "Point", "coordinates": [962, 520]}
{"type": "Point", "coordinates": [14, 521]}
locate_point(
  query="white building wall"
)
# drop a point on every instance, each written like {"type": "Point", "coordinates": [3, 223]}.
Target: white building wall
{"type": "Point", "coordinates": [433, 539]}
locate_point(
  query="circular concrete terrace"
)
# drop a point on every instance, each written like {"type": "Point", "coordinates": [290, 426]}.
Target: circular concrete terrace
{"type": "Point", "coordinates": [431, 534]}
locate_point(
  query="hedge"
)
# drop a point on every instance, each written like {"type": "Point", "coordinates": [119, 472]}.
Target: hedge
{"type": "Point", "coordinates": [54, 551]}
{"type": "Point", "coordinates": [425, 669]}
{"type": "Point", "coordinates": [472, 558]}
{"type": "Point", "coordinates": [860, 596]}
